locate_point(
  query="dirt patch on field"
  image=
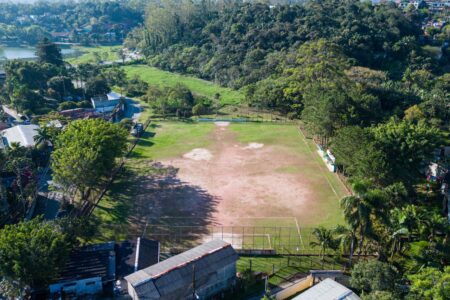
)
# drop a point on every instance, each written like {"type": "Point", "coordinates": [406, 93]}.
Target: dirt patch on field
{"type": "Point", "coordinates": [244, 182]}
{"type": "Point", "coordinates": [198, 154]}
{"type": "Point", "coordinates": [251, 146]}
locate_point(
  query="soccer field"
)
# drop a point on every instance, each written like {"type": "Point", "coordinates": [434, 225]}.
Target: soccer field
{"type": "Point", "coordinates": [200, 177]}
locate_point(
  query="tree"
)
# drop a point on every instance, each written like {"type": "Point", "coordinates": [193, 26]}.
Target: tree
{"type": "Point", "coordinates": [97, 86]}
{"type": "Point", "coordinates": [380, 295]}
{"type": "Point", "coordinates": [362, 208]}
{"type": "Point", "coordinates": [373, 275]}
{"type": "Point", "coordinates": [61, 85]}
{"type": "Point", "coordinates": [86, 154]}
{"type": "Point", "coordinates": [430, 284]}
{"type": "Point", "coordinates": [43, 136]}
{"type": "Point", "coordinates": [356, 152]}
{"type": "Point", "coordinates": [407, 146]}
{"type": "Point", "coordinates": [324, 239]}
{"type": "Point", "coordinates": [31, 254]}
{"type": "Point", "coordinates": [48, 52]}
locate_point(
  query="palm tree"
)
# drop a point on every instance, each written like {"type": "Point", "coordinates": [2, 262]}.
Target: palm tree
{"type": "Point", "coordinates": [324, 239]}
{"type": "Point", "coordinates": [358, 209]}
{"type": "Point", "coordinates": [346, 239]}
{"type": "Point", "coordinates": [43, 136]}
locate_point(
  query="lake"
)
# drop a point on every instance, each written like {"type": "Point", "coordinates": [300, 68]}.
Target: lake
{"type": "Point", "coordinates": [7, 53]}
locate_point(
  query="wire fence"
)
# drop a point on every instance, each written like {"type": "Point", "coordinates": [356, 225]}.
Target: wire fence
{"type": "Point", "coordinates": [258, 240]}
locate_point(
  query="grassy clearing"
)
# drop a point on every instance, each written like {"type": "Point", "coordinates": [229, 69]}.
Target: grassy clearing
{"type": "Point", "coordinates": [197, 86]}
{"type": "Point", "coordinates": [172, 139]}
{"type": "Point", "coordinates": [105, 53]}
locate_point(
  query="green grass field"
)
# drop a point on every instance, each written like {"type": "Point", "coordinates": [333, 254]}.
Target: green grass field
{"type": "Point", "coordinates": [121, 215]}
{"type": "Point", "coordinates": [197, 86]}
{"type": "Point", "coordinates": [93, 54]}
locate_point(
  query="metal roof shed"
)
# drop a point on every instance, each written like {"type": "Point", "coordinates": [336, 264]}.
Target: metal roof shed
{"type": "Point", "coordinates": [213, 265]}
{"type": "Point", "coordinates": [327, 290]}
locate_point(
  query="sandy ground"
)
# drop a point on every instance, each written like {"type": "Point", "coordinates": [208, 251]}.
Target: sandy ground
{"type": "Point", "coordinates": [241, 180]}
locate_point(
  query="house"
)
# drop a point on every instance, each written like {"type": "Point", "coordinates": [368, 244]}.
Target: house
{"type": "Point", "coordinates": [203, 271]}
{"type": "Point", "coordinates": [93, 269]}
{"type": "Point", "coordinates": [327, 290]}
{"type": "Point", "coordinates": [107, 103]}
{"type": "Point", "coordinates": [22, 134]}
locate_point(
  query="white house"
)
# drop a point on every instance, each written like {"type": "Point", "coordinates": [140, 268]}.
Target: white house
{"type": "Point", "coordinates": [22, 134]}
{"type": "Point", "coordinates": [106, 103]}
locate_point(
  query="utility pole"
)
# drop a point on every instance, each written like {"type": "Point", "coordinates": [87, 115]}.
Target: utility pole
{"type": "Point", "coordinates": [193, 282]}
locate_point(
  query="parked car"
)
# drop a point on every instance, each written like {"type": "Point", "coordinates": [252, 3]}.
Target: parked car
{"type": "Point", "coordinates": [137, 129]}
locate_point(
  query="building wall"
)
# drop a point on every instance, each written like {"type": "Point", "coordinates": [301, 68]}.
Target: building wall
{"type": "Point", "coordinates": [87, 286]}
{"type": "Point", "coordinates": [225, 279]}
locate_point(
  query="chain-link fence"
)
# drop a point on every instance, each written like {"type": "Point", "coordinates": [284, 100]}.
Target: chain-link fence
{"type": "Point", "coordinates": [245, 239]}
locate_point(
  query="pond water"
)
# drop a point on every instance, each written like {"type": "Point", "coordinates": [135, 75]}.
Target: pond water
{"type": "Point", "coordinates": [7, 53]}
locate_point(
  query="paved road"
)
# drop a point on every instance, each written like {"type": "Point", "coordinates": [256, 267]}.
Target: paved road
{"type": "Point", "coordinates": [133, 109]}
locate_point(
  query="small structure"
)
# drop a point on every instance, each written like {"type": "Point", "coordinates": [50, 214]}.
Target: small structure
{"type": "Point", "coordinates": [327, 290]}
{"type": "Point", "coordinates": [22, 134]}
{"type": "Point", "coordinates": [79, 113]}
{"type": "Point", "coordinates": [106, 103]}
{"type": "Point", "coordinates": [201, 272]}
{"type": "Point", "coordinates": [87, 271]}
{"type": "Point", "coordinates": [93, 269]}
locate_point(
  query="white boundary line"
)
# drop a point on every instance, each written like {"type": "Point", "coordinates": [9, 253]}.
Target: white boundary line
{"type": "Point", "coordinates": [299, 233]}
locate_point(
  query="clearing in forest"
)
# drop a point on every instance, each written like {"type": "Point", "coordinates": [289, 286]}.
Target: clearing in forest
{"type": "Point", "coordinates": [204, 175]}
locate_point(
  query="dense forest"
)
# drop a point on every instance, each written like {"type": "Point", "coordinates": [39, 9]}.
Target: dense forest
{"type": "Point", "coordinates": [86, 22]}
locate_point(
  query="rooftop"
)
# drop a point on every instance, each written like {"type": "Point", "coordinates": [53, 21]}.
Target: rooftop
{"type": "Point", "coordinates": [327, 290]}
{"type": "Point", "coordinates": [90, 261]}
{"type": "Point", "coordinates": [22, 134]}
{"type": "Point", "coordinates": [176, 272]}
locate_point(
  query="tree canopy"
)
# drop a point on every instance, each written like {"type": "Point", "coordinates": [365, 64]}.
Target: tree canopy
{"type": "Point", "coordinates": [86, 152]}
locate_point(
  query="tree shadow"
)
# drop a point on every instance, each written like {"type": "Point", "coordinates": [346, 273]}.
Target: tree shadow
{"type": "Point", "coordinates": [153, 202]}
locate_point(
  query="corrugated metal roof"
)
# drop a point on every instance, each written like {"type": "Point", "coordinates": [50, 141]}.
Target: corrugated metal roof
{"type": "Point", "coordinates": [328, 290]}
{"type": "Point", "coordinates": [176, 272]}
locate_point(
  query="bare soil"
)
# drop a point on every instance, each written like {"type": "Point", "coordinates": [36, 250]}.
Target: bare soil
{"type": "Point", "coordinates": [239, 182]}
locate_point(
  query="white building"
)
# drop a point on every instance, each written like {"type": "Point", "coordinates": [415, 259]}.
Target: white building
{"type": "Point", "coordinates": [21, 134]}
{"type": "Point", "coordinates": [106, 103]}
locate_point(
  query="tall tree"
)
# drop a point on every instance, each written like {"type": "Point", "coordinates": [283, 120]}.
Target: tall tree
{"type": "Point", "coordinates": [86, 154]}
{"type": "Point", "coordinates": [48, 52]}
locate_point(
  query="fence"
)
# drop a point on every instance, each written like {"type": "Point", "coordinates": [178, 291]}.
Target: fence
{"type": "Point", "coordinates": [251, 240]}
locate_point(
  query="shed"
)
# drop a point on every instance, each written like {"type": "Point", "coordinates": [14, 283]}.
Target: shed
{"type": "Point", "coordinates": [327, 290]}
{"type": "Point", "coordinates": [87, 270]}
{"type": "Point", "coordinates": [203, 271]}
{"type": "Point", "coordinates": [106, 103]}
